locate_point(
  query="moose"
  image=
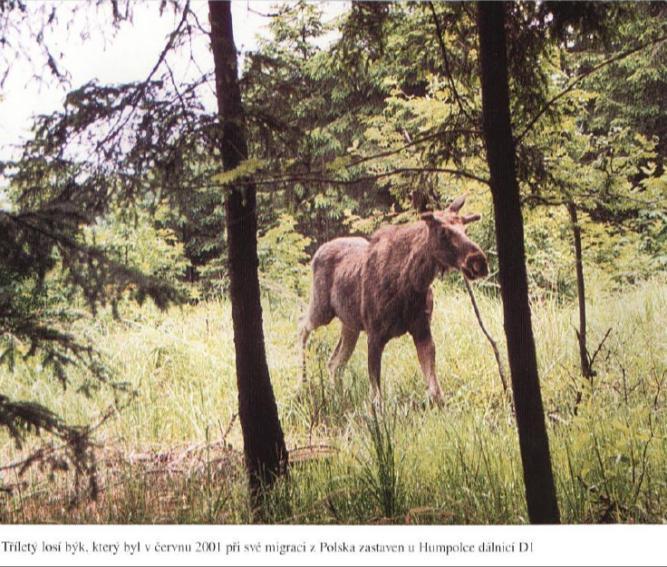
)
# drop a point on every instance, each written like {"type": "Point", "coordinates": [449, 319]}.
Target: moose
{"type": "Point", "coordinates": [383, 286]}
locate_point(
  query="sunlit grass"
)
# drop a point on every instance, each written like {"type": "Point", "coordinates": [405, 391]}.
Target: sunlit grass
{"type": "Point", "coordinates": [172, 453]}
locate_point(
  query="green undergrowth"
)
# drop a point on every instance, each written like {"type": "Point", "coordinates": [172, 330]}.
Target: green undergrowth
{"type": "Point", "coordinates": [171, 449]}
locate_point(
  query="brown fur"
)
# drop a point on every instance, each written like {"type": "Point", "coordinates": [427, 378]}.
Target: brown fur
{"type": "Point", "coordinates": [383, 287]}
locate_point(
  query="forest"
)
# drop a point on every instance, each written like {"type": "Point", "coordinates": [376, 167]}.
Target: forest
{"type": "Point", "coordinates": [156, 239]}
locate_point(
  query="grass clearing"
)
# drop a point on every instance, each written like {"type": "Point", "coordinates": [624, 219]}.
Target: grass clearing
{"type": "Point", "coordinates": [173, 451]}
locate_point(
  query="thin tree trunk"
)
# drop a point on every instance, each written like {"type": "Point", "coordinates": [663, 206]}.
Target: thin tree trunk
{"type": "Point", "coordinates": [586, 369]}
{"type": "Point", "coordinates": [264, 445]}
{"type": "Point", "coordinates": [533, 440]}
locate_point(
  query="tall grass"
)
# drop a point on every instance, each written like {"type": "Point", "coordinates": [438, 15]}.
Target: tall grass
{"type": "Point", "coordinates": [172, 452]}
{"type": "Point", "coordinates": [381, 471]}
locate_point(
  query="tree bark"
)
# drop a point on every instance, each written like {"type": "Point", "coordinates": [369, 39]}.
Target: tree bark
{"type": "Point", "coordinates": [586, 368]}
{"type": "Point", "coordinates": [263, 441]}
{"type": "Point", "coordinates": [533, 440]}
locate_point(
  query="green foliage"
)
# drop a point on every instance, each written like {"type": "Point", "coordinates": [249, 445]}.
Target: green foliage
{"type": "Point", "coordinates": [283, 260]}
{"type": "Point", "coordinates": [246, 168]}
{"type": "Point", "coordinates": [629, 92]}
{"type": "Point", "coordinates": [549, 253]}
{"type": "Point", "coordinates": [415, 139]}
{"type": "Point", "coordinates": [134, 239]}
{"type": "Point", "coordinates": [48, 267]}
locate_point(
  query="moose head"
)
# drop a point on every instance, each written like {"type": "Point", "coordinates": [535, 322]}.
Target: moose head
{"type": "Point", "coordinates": [449, 244]}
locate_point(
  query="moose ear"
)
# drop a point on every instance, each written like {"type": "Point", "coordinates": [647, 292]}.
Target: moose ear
{"type": "Point", "coordinates": [456, 205]}
{"type": "Point", "coordinates": [471, 218]}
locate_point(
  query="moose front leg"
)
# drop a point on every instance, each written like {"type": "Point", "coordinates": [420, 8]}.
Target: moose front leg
{"type": "Point", "coordinates": [421, 335]}
{"type": "Point", "coordinates": [426, 354]}
{"type": "Point", "coordinates": [375, 348]}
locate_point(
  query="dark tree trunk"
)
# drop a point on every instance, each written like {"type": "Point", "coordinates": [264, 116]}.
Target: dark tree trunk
{"type": "Point", "coordinates": [586, 368]}
{"type": "Point", "coordinates": [533, 440]}
{"type": "Point", "coordinates": [263, 441]}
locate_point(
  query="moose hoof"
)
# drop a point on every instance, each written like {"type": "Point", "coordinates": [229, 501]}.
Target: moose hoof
{"type": "Point", "coordinates": [436, 398]}
{"type": "Point", "coordinates": [377, 403]}
{"type": "Point", "coordinates": [334, 376]}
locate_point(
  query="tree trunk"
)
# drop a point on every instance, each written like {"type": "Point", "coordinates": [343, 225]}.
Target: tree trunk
{"type": "Point", "coordinates": [533, 440]}
{"type": "Point", "coordinates": [263, 441]}
{"type": "Point", "coordinates": [586, 369]}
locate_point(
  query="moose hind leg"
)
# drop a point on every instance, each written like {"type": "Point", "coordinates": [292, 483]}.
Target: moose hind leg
{"type": "Point", "coordinates": [375, 348]}
{"type": "Point", "coordinates": [317, 315]}
{"type": "Point", "coordinates": [305, 328]}
{"type": "Point", "coordinates": [343, 351]}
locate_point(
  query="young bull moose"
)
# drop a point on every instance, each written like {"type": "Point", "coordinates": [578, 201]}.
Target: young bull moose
{"type": "Point", "coordinates": [383, 287]}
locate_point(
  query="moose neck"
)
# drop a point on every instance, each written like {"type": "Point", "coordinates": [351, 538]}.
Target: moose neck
{"type": "Point", "coordinates": [420, 267]}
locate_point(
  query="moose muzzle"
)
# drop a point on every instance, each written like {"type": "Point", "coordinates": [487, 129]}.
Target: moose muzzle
{"type": "Point", "coordinates": [475, 266]}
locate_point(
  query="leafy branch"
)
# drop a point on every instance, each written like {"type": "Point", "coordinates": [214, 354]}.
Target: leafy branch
{"type": "Point", "coordinates": [577, 80]}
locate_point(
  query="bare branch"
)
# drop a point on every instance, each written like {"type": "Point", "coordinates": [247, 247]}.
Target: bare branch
{"type": "Point", "coordinates": [599, 347]}
{"type": "Point", "coordinates": [542, 201]}
{"type": "Point", "coordinates": [317, 178]}
{"type": "Point", "coordinates": [413, 142]}
{"type": "Point", "coordinates": [141, 89]}
{"type": "Point", "coordinates": [264, 15]}
{"type": "Point", "coordinates": [445, 58]}
{"type": "Point", "coordinates": [492, 342]}
{"type": "Point", "coordinates": [577, 80]}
